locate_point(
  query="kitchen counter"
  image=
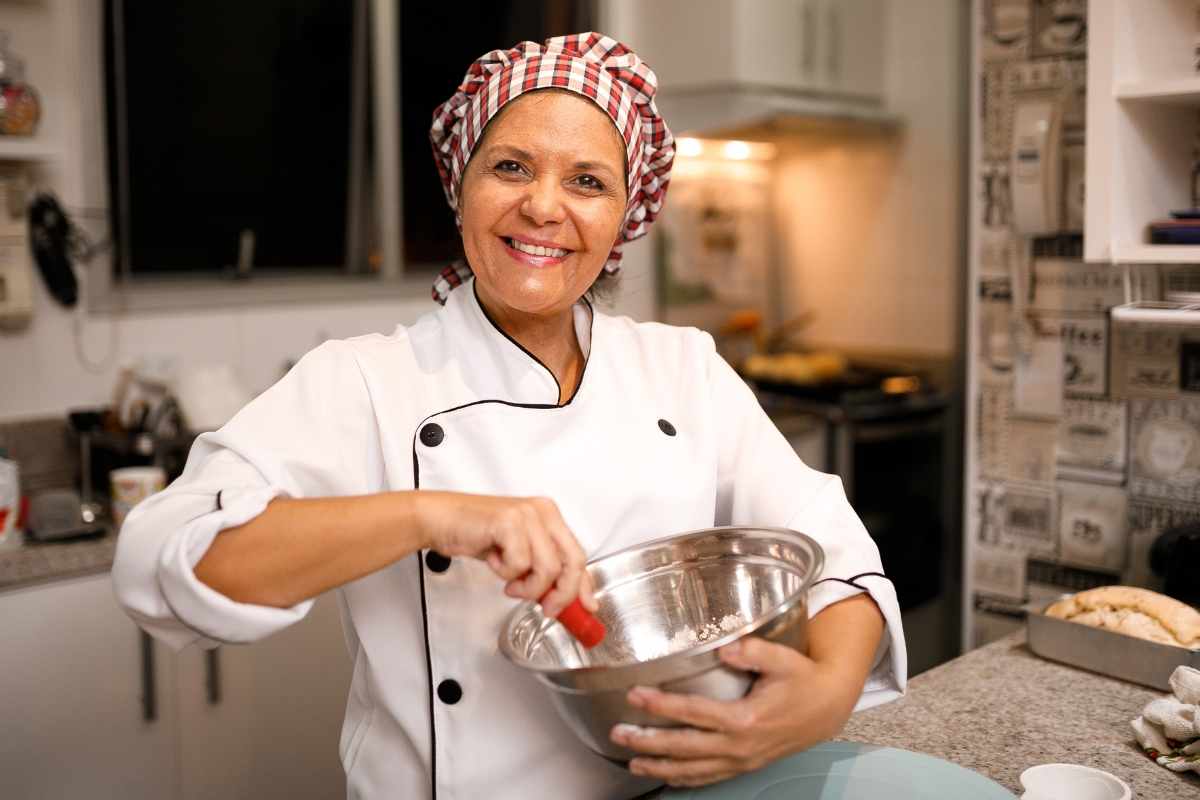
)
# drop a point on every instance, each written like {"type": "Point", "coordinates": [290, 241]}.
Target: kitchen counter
{"type": "Point", "coordinates": [32, 564]}
{"type": "Point", "coordinates": [1001, 709]}
{"type": "Point", "coordinates": [997, 710]}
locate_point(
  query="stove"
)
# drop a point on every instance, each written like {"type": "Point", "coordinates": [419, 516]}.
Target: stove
{"type": "Point", "coordinates": [886, 434]}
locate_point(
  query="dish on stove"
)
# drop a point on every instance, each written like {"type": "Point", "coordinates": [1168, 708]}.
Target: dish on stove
{"type": "Point", "coordinates": [1134, 612]}
{"type": "Point", "coordinates": [800, 368]}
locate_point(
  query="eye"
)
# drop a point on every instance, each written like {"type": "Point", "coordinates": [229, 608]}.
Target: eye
{"type": "Point", "coordinates": [509, 166]}
{"type": "Point", "coordinates": [590, 182]}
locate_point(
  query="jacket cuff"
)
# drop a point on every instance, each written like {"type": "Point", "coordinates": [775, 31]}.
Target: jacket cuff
{"type": "Point", "coordinates": [888, 677]}
{"type": "Point", "coordinates": [211, 615]}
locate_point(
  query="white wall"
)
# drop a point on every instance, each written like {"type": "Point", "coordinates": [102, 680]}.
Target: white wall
{"type": "Point", "coordinates": [871, 223]}
{"type": "Point", "coordinates": [42, 373]}
{"type": "Point", "coordinates": [44, 376]}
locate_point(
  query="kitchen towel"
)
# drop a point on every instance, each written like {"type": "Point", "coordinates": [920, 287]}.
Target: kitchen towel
{"type": "Point", "coordinates": [1169, 728]}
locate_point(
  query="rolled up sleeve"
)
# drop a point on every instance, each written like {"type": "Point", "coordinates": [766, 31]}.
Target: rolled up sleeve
{"type": "Point", "coordinates": [761, 481]}
{"type": "Point", "coordinates": [310, 435]}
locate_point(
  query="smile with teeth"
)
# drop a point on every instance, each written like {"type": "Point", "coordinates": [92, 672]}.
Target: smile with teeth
{"type": "Point", "coordinates": [536, 250]}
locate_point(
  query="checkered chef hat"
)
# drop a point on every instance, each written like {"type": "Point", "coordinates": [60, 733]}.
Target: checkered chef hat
{"type": "Point", "coordinates": [591, 64]}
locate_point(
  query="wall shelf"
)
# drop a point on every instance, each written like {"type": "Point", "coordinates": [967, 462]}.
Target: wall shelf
{"type": "Point", "coordinates": [1143, 95]}
{"type": "Point", "coordinates": [1158, 312]}
{"type": "Point", "coordinates": [1179, 91]}
{"type": "Point", "coordinates": [1156, 254]}
{"type": "Point", "coordinates": [34, 148]}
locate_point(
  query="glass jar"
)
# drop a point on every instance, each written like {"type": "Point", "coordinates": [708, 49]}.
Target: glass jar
{"type": "Point", "coordinates": [20, 108]}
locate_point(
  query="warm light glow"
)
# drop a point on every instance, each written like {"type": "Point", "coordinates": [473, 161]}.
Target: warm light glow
{"type": "Point", "coordinates": [736, 150]}
{"type": "Point", "coordinates": [689, 147]}
{"type": "Point", "coordinates": [901, 384]}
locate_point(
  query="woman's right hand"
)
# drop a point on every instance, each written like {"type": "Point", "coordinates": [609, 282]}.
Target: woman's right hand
{"type": "Point", "coordinates": [524, 540]}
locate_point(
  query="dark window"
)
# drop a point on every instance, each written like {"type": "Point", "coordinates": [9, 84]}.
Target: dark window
{"type": "Point", "coordinates": [230, 127]}
{"type": "Point", "coordinates": [237, 119]}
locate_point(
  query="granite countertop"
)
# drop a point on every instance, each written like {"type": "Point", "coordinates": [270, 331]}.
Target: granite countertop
{"type": "Point", "coordinates": [36, 563]}
{"type": "Point", "coordinates": [1000, 709]}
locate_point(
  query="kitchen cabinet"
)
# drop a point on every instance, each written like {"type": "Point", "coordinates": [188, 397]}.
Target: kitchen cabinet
{"type": "Point", "coordinates": [71, 698]}
{"type": "Point", "coordinates": [263, 721]}
{"type": "Point", "coordinates": [1142, 99]}
{"type": "Point", "coordinates": [833, 46]}
{"type": "Point", "coordinates": [255, 721]}
{"type": "Point", "coordinates": [825, 47]}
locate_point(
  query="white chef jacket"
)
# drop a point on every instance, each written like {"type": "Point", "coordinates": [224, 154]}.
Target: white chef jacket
{"type": "Point", "coordinates": [661, 437]}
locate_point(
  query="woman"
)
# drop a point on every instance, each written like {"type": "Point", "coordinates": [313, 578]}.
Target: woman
{"type": "Point", "coordinates": [503, 440]}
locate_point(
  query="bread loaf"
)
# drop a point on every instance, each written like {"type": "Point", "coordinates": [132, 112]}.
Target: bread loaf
{"type": "Point", "coordinates": [1134, 612]}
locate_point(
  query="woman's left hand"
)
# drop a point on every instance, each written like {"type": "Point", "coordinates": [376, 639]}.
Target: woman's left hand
{"type": "Point", "coordinates": [795, 703]}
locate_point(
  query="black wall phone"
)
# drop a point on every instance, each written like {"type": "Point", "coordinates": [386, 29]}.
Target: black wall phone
{"type": "Point", "coordinates": [54, 239]}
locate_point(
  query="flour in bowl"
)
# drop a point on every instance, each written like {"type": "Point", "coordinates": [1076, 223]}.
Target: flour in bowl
{"type": "Point", "coordinates": [689, 637]}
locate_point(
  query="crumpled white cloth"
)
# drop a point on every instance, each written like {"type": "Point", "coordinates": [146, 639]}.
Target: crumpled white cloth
{"type": "Point", "coordinates": [1169, 727]}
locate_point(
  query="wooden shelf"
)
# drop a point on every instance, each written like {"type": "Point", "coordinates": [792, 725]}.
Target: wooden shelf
{"type": "Point", "coordinates": [1156, 254]}
{"type": "Point", "coordinates": [35, 148]}
{"type": "Point", "coordinates": [1179, 91]}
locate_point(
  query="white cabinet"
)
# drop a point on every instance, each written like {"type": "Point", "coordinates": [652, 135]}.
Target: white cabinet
{"type": "Point", "coordinates": [262, 721]}
{"type": "Point", "coordinates": [1142, 103]}
{"type": "Point", "coordinates": [71, 698]}
{"type": "Point", "coordinates": [859, 47]}
{"type": "Point", "coordinates": [823, 47]}
{"type": "Point", "coordinates": [826, 46]}
{"type": "Point", "coordinates": [257, 721]}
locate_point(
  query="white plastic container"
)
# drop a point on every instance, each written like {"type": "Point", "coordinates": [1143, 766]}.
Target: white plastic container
{"type": "Point", "coordinates": [132, 485]}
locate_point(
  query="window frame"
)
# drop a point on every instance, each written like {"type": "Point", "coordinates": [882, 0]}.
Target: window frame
{"type": "Point", "coordinates": [394, 280]}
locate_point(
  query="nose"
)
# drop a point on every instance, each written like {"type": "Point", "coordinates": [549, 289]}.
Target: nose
{"type": "Point", "coordinates": [543, 203]}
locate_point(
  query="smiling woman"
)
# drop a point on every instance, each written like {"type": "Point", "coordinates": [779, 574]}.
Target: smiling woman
{"type": "Point", "coordinates": [503, 440]}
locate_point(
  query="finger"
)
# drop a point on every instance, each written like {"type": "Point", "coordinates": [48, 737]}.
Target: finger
{"type": "Point", "coordinates": [587, 591]}
{"type": "Point", "coordinates": [692, 709]}
{"type": "Point", "coordinates": [755, 654]}
{"type": "Point", "coordinates": [693, 772]}
{"type": "Point", "coordinates": [545, 567]}
{"type": "Point", "coordinates": [512, 549]}
{"type": "Point", "coordinates": [571, 558]}
{"type": "Point", "coordinates": [674, 742]}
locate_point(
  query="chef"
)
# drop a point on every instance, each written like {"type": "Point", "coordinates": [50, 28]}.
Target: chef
{"type": "Point", "coordinates": [439, 475]}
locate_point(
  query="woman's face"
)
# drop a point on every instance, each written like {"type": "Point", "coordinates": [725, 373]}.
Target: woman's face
{"type": "Point", "coordinates": [543, 197]}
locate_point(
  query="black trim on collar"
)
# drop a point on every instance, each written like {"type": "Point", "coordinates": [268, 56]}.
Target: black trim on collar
{"type": "Point", "coordinates": [536, 360]}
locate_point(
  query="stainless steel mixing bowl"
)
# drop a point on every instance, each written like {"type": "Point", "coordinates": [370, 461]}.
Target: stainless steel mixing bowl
{"type": "Point", "coordinates": [669, 605]}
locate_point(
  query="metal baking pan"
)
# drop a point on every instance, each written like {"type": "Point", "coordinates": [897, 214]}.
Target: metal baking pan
{"type": "Point", "coordinates": [1106, 652]}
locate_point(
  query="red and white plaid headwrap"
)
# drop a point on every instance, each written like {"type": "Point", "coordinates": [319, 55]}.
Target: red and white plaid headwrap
{"type": "Point", "coordinates": [596, 66]}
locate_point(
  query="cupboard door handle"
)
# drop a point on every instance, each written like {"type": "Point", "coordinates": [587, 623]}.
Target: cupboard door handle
{"type": "Point", "coordinates": [808, 55]}
{"type": "Point", "coordinates": [835, 43]}
{"type": "Point", "coordinates": [212, 675]}
{"type": "Point", "coordinates": [149, 692]}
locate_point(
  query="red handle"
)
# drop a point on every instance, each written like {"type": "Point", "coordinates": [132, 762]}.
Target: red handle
{"type": "Point", "coordinates": [582, 623]}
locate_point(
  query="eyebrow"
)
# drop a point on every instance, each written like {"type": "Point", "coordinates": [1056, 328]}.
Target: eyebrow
{"type": "Point", "coordinates": [525, 155]}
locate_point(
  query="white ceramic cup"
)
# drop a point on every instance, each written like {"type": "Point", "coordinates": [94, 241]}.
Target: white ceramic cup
{"type": "Point", "coordinates": [132, 485]}
{"type": "Point", "coordinates": [1072, 782]}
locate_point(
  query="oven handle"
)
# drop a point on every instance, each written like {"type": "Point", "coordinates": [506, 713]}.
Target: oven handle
{"type": "Point", "coordinates": [149, 692]}
{"type": "Point", "coordinates": [212, 675]}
